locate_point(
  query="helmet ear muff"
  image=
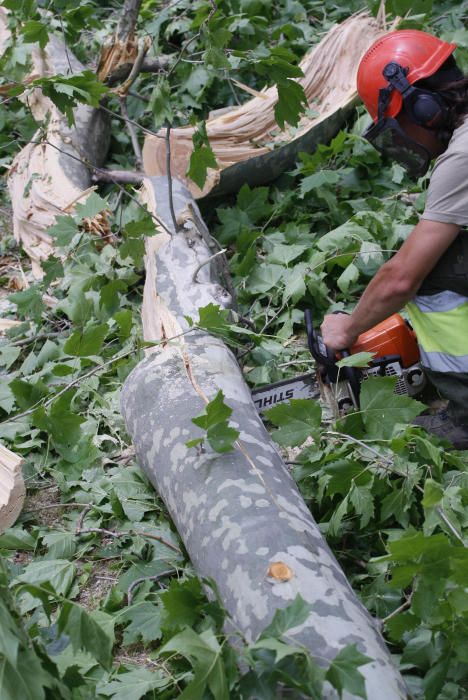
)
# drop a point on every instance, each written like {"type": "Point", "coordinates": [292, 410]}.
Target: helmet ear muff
{"type": "Point", "coordinates": [425, 108]}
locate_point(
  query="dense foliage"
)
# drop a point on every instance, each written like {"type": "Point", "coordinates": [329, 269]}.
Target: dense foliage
{"type": "Point", "coordinates": [97, 598]}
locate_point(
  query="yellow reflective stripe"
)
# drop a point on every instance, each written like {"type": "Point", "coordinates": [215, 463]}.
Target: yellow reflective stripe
{"type": "Point", "coordinates": [441, 331]}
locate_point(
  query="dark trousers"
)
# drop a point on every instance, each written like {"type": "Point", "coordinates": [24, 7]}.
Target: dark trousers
{"type": "Point", "coordinates": [454, 387]}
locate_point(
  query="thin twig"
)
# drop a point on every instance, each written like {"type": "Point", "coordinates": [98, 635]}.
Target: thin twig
{"type": "Point", "coordinates": [169, 177]}
{"type": "Point", "coordinates": [401, 608]}
{"type": "Point", "coordinates": [124, 177]}
{"type": "Point", "coordinates": [154, 65]}
{"type": "Point", "coordinates": [126, 533]}
{"type": "Point", "coordinates": [68, 386]}
{"type": "Point", "coordinates": [83, 514]}
{"type": "Point", "coordinates": [138, 581]}
{"type": "Point", "coordinates": [48, 506]}
{"type": "Point", "coordinates": [193, 38]}
{"type": "Point", "coordinates": [101, 170]}
{"type": "Point", "coordinates": [132, 121]}
{"type": "Point", "coordinates": [36, 338]}
{"type": "Point", "coordinates": [205, 262]}
{"type": "Point", "coordinates": [443, 516]}
{"type": "Point", "coordinates": [131, 130]}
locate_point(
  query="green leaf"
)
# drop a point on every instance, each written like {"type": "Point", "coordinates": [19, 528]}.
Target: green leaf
{"type": "Point", "coordinates": [181, 602]}
{"type": "Point", "coordinates": [297, 420]}
{"type": "Point", "coordinates": [160, 103]}
{"type": "Point", "coordinates": [29, 302]}
{"type": "Point", "coordinates": [363, 503]}
{"type": "Point", "coordinates": [292, 102]}
{"type": "Point", "coordinates": [63, 231]}
{"type": "Point", "coordinates": [7, 397]}
{"type": "Point", "coordinates": [359, 359]}
{"type": "Point", "coordinates": [214, 319]}
{"type": "Point", "coordinates": [93, 206]}
{"type": "Point", "coordinates": [281, 649]}
{"type": "Point", "coordinates": [343, 672]}
{"type": "Point", "coordinates": [202, 157]}
{"type": "Point", "coordinates": [264, 277]}
{"type": "Point", "coordinates": [145, 623]}
{"type": "Point", "coordinates": [135, 684]}
{"type": "Point", "coordinates": [35, 32]}
{"type": "Point", "coordinates": [85, 632]}
{"type": "Point", "coordinates": [64, 427]}
{"type": "Point", "coordinates": [66, 92]}
{"type": "Point", "coordinates": [349, 276]}
{"type": "Point", "coordinates": [322, 177]}
{"type": "Point", "coordinates": [17, 538]}
{"type": "Point", "coordinates": [433, 493]}
{"type": "Point", "coordinates": [204, 652]}
{"type": "Point", "coordinates": [435, 678]}
{"type": "Point", "coordinates": [284, 619]}
{"type": "Point", "coordinates": [28, 393]}
{"type": "Point", "coordinates": [87, 342]}
{"type": "Point", "coordinates": [59, 573]}
{"type": "Point", "coordinates": [214, 420]}
{"type": "Point", "coordinates": [60, 545]}
{"type": "Point", "coordinates": [382, 409]}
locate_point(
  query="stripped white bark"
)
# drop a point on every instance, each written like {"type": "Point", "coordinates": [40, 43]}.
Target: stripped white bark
{"type": "Point", "coordinates": [12, 489]}
{"type": "Point", "coordinates": [248, 145]}
{"type": "Point", "coordinates": [47, 177]}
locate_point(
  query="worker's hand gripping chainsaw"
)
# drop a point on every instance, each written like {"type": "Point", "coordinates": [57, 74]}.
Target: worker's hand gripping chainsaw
{"type": "Point", "coordinates": [395, 354]}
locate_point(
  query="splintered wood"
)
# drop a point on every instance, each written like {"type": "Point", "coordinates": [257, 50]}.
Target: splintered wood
{"type": "Point", "coordinates": [50, 175]}
{"type": "Point", "coordinates": [12, 489]}
{"type": "Point", "coordinates": [250, 131]}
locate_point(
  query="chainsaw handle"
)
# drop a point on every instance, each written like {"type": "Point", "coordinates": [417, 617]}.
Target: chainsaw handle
{"type": "Point", "coordinates": [326, 357]}
{"type": "Point", "coordinates": [319, 351]}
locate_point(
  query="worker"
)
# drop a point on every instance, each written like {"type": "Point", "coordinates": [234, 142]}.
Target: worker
{"type": "Point", "coordinates": [418, 100]}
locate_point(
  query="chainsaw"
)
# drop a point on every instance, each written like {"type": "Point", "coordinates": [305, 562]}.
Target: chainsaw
{"type": "Point", "coordinates": [395, 354]}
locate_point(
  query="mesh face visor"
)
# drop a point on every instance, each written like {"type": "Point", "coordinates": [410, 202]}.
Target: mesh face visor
{"type": "Point", "coordinates": [388, 138]}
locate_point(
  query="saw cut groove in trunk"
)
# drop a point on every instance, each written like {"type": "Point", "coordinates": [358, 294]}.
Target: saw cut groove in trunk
{"type": "Point", "coordinates": [44, 181]}
{"type": "Point", "coordinates": [248, 145]}
{"type": "Point", "coordinates": [240, 514]}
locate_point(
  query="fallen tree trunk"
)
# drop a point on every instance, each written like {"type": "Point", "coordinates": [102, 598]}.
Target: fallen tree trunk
{"type": "Point", "coordinates": [49, 175]}
{"type": "Point", "coordinates": [240, 515]}
{"type": "Point", "coordinates": [248, 145]}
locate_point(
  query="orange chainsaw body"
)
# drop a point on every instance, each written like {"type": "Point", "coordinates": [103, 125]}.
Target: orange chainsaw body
{"type": "Point", "coordinates": [390, 337]}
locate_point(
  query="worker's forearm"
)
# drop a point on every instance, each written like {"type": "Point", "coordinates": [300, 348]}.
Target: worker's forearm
{"type": "Point", "coordinates": [385, 295]}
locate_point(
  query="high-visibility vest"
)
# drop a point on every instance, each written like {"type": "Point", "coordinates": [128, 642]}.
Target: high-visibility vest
{"type": "Point", "coordinates": [440, 322]}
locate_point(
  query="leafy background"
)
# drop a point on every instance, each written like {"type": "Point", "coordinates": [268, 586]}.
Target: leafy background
{"type": "Point", "coordinates": [97, 596]}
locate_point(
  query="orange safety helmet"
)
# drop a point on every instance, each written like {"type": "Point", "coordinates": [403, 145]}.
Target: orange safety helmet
{"type": "Point", "coordinates": [422, 53]}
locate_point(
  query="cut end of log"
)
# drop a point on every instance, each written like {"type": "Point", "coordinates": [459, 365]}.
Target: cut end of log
{"type": "Point", "coordinates": [12, 489]}
{"type": "Point", "coordinates": [280, 571]}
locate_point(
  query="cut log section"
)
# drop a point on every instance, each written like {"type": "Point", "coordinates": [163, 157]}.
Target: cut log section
{"type": "Point", "coordinates": [12, 489]}
{"type": "Point", "coordinates": [48, 176]}
{"type": "Point", "coordinates": [248, 145]}
{"type": "Point", "coordinates": [240, 514]}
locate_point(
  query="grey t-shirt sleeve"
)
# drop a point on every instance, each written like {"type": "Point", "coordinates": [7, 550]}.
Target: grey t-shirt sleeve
{"type": "Point", "coordinates": [447, 195]}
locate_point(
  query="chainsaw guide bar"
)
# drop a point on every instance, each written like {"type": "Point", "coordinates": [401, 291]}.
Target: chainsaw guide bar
{"type": "Point", "coordinates": [301, 387]}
